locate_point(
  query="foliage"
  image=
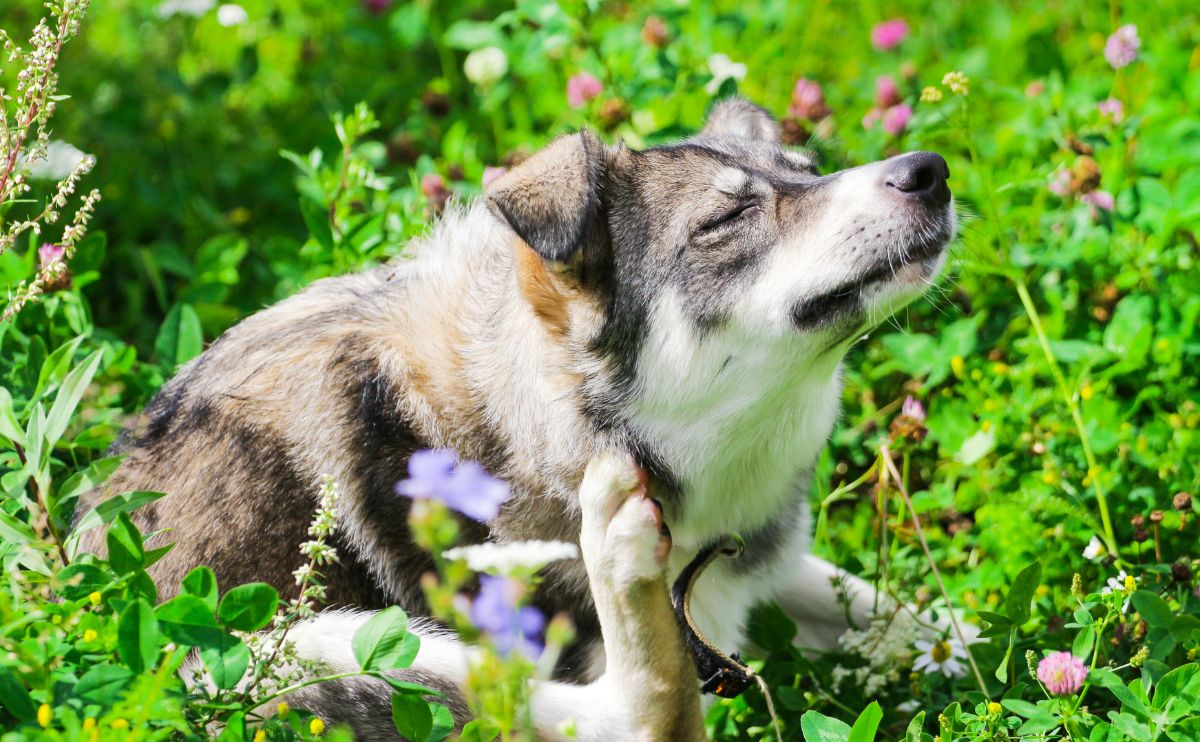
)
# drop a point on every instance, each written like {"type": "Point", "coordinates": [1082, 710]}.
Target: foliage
{"type": "Point", "coordinates": [1054, 366]}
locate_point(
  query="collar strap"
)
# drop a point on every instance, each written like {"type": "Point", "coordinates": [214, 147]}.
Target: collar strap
{"type": "Point", "coordinates": [721, 674]}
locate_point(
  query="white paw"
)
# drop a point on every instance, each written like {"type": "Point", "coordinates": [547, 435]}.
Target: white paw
{"type": "Point", "coordinates": [623, 538]}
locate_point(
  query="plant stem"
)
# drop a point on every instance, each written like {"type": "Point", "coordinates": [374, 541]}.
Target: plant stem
{"type": "Point", "coordinates": [44, 510]}
{"type": "Point", "coordinates": [1076, 415]}
{"type": "Point", "coordinates": [886, 456]}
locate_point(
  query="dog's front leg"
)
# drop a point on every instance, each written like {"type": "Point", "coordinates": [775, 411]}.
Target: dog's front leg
{"type": "Point", "coordinates": [649, 689]}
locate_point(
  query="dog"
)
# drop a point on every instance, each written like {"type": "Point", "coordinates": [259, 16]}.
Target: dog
{"type": "Point", "coordinates": [628, 338]}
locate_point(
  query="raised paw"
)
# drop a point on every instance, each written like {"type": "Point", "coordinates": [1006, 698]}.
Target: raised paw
{"type": "Point", "coordinates": [623, 538]}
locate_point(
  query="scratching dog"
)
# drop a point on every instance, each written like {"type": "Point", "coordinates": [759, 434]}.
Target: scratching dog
{"type": "Point", "coordinates": [627, 338]}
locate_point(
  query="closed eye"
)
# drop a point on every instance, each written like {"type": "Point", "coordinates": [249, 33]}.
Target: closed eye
{"type": "Point", "coordinates": [743, 209]}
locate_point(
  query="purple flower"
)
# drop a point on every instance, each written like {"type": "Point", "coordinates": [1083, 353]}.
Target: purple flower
{"type": "Point", "coordinates": [491, 174]}
{"type": "Point", "coordinates": [437, 475]}
{"type": "Point", "coordinates": [376, 7]}
{"type": "Point", "coordinates": [496, 610]}
{"type": "Point", "coordinates": [896, 118]}
{"type": "Point", "coordinates": [581, 88]}
{"type": "Point", "coordinates": [1113, 110]}
{"type": "Point", "coordinates": [872, 118]}
{"type": "Point", "coordinates": [1121, 49]}
{"type": "Point", "coordinates": [1060, 184]}
{"type": "Point", "coordinates": [1099, 199]}
{"type": "Point", "coordinates": [889, 34]}
{"type": "Point", "coordinates": [808, 101]}
{"type": "Point", "coordinates": [1062, 673]}
{"type": "Point", "coordinates": [48, 254]}
{"type": "Point", "coordinates": [913, 408]}
{"type": "Point", "coordinates": [886, 92]}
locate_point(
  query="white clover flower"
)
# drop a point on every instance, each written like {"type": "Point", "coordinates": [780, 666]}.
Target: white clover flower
{"type": "Point", "coordinates": [941, 656]}
{"type": "Point", "coordinates": [486, 66]}
{"type": "Point", "coordinates": [60, 161]}
{"type": "Point", "coordinates": [723, 68]}
{"type": "Point", "coordinates": [505, 558]}
{"type": "Point", "coordinates": [194, 8]}
{"type": "Point", "coordinates": [1095, 550]}
{"type": "Point", "coordinates": [232, 15]}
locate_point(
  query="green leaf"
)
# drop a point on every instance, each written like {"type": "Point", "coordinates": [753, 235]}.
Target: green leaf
{"type": "Point", "coordinates": [1038, 724]}
{"type": "Point", "coordinates": [1153, 609]}
{"type": "Point", "coordinates": [471, 35]}
{"type": "Point", "coordinates": [480, 730]}
{"type": "Point", "coordinates": [316, 218]}
{"type": "Point", "coordinates": [818, 727]}
{"type": "Point", "coordinates": [14, 696]}
{"type": "Point", "coordinates": [1022, 708]}
{"type": "Point", "coordinates": [1001, 673]}
{"type": "Point", "coordinates": [226, 660]}
{"type": "Point", "coordinates": [180, 338]}
{"type": "Point", "coordinates": [867, 723]}
{"type": "Point", "coordinates": [126, 554]}
{"type": "Point", "coordinates": [443, 723]}
{"type": "Point", "coordinates": [137, 636]}
{"type": "Point", "coordinates": [80, 580]}
{"type": "Point", "coordinates": [107, 511]}
{"type": "Point", "coordinates": [915, 728]}
{"type": "Point", "coordinates": [67, 399]}
{"type": "Point", "coordinates": [1084, 642]}
{"type": "Point", "coordinates": [10, 428]}
{"type": "Point", "coordinates": [1017, 603]}
{"type": "Point", "coordinates": [103, 684]}
{"type": "Point", "coordinates": [976, 447]}
{"type": "Point", "coordinates": [1106, 678]}
{"type": "Point", "coordinates": [249, 607]}
{"type": "Point", "coordinates": [202, 582]}
{"type": "Point", "coordinates": [384, 642]}
{"type": "Point", "coordinates": [187, 619]}
{"type": "Point", "coordinates": [412, 716]}
{"type": "Point", "coordinates": [1181, 683]}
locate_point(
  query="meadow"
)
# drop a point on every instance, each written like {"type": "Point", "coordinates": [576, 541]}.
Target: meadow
{"type": "Point", "coordinates": [1019, 449]}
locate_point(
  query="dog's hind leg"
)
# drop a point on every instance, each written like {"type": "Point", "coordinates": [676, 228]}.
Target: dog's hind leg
{"type": "Point", "coordinates": [648, 690]}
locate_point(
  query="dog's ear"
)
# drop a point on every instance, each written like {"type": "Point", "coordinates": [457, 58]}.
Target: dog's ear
{"type": "Point", "coordinates": [737, 117]}
{"type": "Point", "coordinates": [552, 200]}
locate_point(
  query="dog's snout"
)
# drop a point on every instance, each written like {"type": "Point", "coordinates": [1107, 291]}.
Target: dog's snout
{"type": "Point", "coordinates": [921, 175]}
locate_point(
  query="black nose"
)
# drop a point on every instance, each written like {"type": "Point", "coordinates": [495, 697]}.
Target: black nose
{"type": "Point", "coordinates": [921, 175]}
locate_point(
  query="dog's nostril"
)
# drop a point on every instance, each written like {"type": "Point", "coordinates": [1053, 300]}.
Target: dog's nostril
{"type": "Point", "coordinates": [921, 174]}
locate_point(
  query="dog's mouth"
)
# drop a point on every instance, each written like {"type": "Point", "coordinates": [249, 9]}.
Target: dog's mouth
{"type": "Point", "coordinates": [911, 264]}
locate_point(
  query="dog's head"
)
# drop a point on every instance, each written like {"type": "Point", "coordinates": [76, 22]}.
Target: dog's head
{"type": "Point", "coordinates": [731, 230]}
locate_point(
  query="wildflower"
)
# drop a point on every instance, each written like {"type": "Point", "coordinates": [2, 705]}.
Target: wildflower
{"type": "Point", "coordinates": [1095, 550]}
{"type": "Point", "coordinates": [1129, 584]}
{"type": "Point", "coordinates": [582, 88]}
{"type": "Point", "coordinates": [958, 366]}
{"type": "Point", "coordinates": [957, 82]}
{"type": "Point", "coordinates": [504, 558]}
{"type": "Point", "coordinates": [994, 708]}
{"type": "Point", "coordinates": [49, 254]}
{"type": "Point", "coordinates": [886, 92]}
{"type": "Point", "coordinates": [930, 94]}
{"type": "Point", "coordinates": [496, 611]}
{"type": "Point", "coordinates": [1035, 88]}
{"type": "Point", "coordinates": [1031, 663]}
{"type": "Point", "coordinates": [1062, 673]}
{"type": "Point", "coordinates": [194, 8]}
{"type": "Point", "coordinates": [492, 174]}
{"type": "Point", "coordinates": [1120, 584]}
{"type": "Point", "coordinates": [896, 118]}
{"type": "Point", "coordinates": [466, 487]}
{"type": "Point", "coordinates": [89, 723]}
{"type": "Point", "coordinates": [1121, 49]}
{"type": "Point", "coordinates": [889, 34]}
{"type": "Point", "coordinates": [376, 7]}
{"type": "Point", "coordinates": [230, 15]}
{"type": "Point", "coordinates": [94, 598]}
{"type": "Point", "coordinates": [119, 723]}
{"type": "Point", "coordinates": [1099, 200]}
{"type": "Point", "coordinates": [723, 68]}
{"type": "Point", "coordinates": [90, 635]}
{"type": "Point", "coordinates": [315, 726]}
{"type": "Point", "coordinates": [941, 656]}
{"type": "Point", "coordinates": [1086, 391]}
{"type": "Point", "coordinates": [45, 715]}
{"type": "Point", "coordinates": [60, 160]}
{"type": "Point", "coordinates": [282, 708]}
{"type": "Point", "coordinates": [655, 33]}
{"type": "Point", "coordinates": [260, 736]}
{"type": "Point", "coordinates": [1182, 502]}
{"type": "Point", "coordinates": [486, 66]}
{"type": "Point", "coordinates": [433, 187]}
{"type": "Point", "coordinates": [872, 118]}
{"type": "Point", "coordinates": [1139, 658]}
{"type": "Point", "coordinates": [808, 101]}
{"type": "Point", "coordinates": [1060, 182]}
{"type": "Point", "coordinates": [1113, 110]}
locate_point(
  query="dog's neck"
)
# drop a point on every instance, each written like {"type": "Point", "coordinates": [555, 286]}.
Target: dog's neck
{"type": "Point", "coordinates": [737, 421]}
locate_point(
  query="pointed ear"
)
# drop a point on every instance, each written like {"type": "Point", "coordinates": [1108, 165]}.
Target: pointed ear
{"type": "Point", "coordinates": [552, 200]}
{"type": "Point", "coordinates": [738, 117]}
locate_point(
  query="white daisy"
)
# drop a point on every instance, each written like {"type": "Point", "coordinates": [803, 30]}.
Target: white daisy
{"type": "Point", "coordinates": [505, 558]}
{"type": "Point", "coordinates": [941, 656]}
{"type": "Point", "coordinates": [1095, 550]}
{"type": "Point", "coordinates": [723, 68]}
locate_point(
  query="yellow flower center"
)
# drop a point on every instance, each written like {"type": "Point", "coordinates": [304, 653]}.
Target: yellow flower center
{"type": "Point", "coordinates": [940, 652]}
